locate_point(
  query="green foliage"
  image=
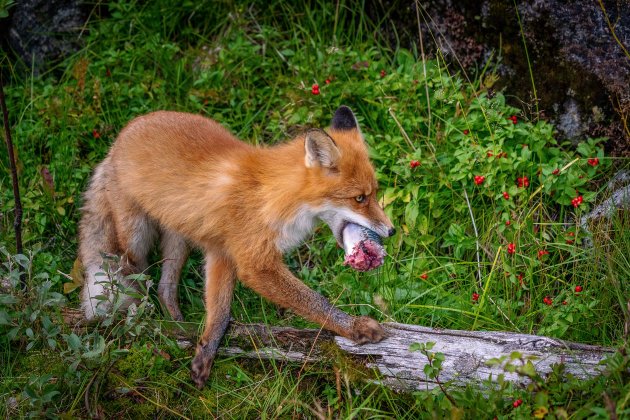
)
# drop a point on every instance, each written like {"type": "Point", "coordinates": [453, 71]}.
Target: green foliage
{"type": "Point", "coordinates": [434, 366]}
{"type": "Point", "coordinates": [28, 315]}
{"type": "Point", "coordinates": [5, 5]}
{"type": "Point", "coordinates": [465, 176]}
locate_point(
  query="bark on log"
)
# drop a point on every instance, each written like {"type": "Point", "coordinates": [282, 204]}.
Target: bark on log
{"type": "Point", "coordinates": [394, 365]}
{"type": "Point", "coordinates": [466, 353]}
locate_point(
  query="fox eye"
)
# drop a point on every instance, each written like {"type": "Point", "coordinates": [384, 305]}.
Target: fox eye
{"type": "Point", "coordinates": [360, 198]}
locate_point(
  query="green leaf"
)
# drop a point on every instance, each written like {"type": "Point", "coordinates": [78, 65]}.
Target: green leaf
{"type": "Point", "coordinates": [411, 214]}
{"type": "Point", "coordinates": [7, 300]}
{"type": "Point", "coordinates": [98, 349]}
{"type": "Point", "coordinates": [74, 342]}
{"type": "Point", "coordinates": [528, 369]}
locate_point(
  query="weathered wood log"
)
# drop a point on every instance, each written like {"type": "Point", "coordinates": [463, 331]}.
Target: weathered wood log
{"type": "Point", "coordinates": [466, 353]}
{"type": "Point", "coordinates": [393, 364]}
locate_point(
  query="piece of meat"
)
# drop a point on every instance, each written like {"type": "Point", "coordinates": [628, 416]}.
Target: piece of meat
{"type": "Point", "coordinates": [363, 247]}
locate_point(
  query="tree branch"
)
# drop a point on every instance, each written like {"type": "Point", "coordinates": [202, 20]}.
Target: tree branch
{"type": "Point", "coordinates": [17, 221]}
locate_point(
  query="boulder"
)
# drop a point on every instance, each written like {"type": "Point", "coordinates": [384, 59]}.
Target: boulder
{"type": "Point", "coordinates": [580, 67]}
{"type": "Point", "coordinates": [43, 31]}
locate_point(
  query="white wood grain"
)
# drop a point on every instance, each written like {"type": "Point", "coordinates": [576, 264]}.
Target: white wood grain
{"type": "Point", "coordinates": [466, 353]}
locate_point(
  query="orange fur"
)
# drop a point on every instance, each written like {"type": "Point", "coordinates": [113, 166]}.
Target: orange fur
{"type": "Point", "coordinates": [188, 179]}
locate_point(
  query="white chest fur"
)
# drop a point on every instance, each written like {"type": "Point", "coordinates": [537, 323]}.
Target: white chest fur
{"type": "Point", "coordinates": [294, 232]}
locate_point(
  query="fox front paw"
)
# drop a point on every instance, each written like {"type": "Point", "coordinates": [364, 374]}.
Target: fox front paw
{"type": "Point", "coordinates": [200, 367]}
{"type": "Point", "coordinates": [367, 330]}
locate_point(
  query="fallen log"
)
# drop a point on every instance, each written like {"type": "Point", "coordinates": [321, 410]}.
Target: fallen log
{"type": "Point", "coordinates": [392, 363]}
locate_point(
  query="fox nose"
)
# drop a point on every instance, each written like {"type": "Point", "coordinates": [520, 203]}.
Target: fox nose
{"type": "Point", "coordinates": [391, 231]}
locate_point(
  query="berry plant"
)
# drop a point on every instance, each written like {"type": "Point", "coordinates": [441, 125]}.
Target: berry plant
{"type": "Point", "coordinates": [489, 204]}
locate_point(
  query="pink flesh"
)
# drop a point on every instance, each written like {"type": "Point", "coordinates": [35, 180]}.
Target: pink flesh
{"type": "Point", "coordinates": [366, 255]}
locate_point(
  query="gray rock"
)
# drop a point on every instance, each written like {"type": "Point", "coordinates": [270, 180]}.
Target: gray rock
{"type": "Point", "coordinates": [44, 31]}
{"type": "Point", "coordinates": [581, 72]}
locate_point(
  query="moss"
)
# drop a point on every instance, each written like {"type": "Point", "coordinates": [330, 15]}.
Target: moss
{"type": "Point", "coordinates": [351, 365]}
{"type": "Point", "coordinates": [144, 382]}
{"type": "Point", "coordinates": [40, 363]}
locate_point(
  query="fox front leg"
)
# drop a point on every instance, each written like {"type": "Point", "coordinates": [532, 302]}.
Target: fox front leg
{"type": "Point", "coordinates": [220, 277]}
{"type": "Point", "coordinates": [282, 288]}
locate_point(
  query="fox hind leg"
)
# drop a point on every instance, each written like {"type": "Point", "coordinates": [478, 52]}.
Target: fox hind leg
{"type": "Point", "coordinates": [136, 233]}
{"type": "Point", "coordinates": [174, 254]}
{"type": "Point", "coordinates": [110, 225]}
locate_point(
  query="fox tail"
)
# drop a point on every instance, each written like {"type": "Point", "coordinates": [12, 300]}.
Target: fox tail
{"type": "Point", "coordinates": [98, 246]}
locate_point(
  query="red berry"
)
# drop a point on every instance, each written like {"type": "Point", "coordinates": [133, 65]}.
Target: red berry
{"type": "Point", "coordinates": [424, 276]}
{"type": "Point", "coordinates": [489, 154]}
{"type": "Point", "coordinates": [571, 233]}
{"type": "Point", "coordinates": [508, 223]}
{"type": "Point", "coordinates": [520, 278]}
{"type": "Point", "coordinates": [569, 241]}
{"type": "Point", "coordinates": [542, 252]}
{"type": "Point", "coordinates": [383, 73]}
{"type": "Point", "coordinates": [511, 248]}
{"type": "Point", "coordinates": [517, 403]}
{"type": "Point", "coordinates": [548, 301]}
{"type": "Point", "coordinates": [522, 182]}
{"type": "Point", "coordinates": [96, 134]}
{"type": "Point", "coordinates": [593, 161]}
{"type": "Point", "coordinates": [506, 195]}
{"type": "Point", "coordinates": [466, 132]}
{"type": "Point", "coordinates": [414, 164]}
{"type": "Point", "coordinates": [327, 81]}
{"type": "Point", "coordinates": [479, 179]}
{"type": "Point", "coordinates": [475, 297]}
{"type": "Point", "coordinates": [315, 89]}
{"type": "Point", "coordinates": [513, 119]}
{"type": "Point", "coordinates": [564, 302]}
{"type": "Point", "coordinates": [577, 201]}
{"type": "Point", "coordinates": [556, 171]}
{"type": "Point", "coordinates": [578, 289]}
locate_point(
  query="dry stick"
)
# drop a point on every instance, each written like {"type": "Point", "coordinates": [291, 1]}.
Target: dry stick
{"type": "Point", "coordinates": [529, 63]}
{"type": "Point", "coordinates": [472, 217]}
{"type": "Point", "coordinates": [17, 221]}
{"type": "Point", "coordinates": [424, 68]}
{"type": "Point", "coordinates": [611, 27]}
{"type": "Point", "coordinates": [402, 130]}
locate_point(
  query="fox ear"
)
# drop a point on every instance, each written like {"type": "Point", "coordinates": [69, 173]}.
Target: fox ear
{"type": "Point", "coordinates": [320, 149]}
{"type": "Point", "coordinates": [344, 119]}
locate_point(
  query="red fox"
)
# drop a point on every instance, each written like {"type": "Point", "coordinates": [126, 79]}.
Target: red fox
{"type": "Point", "coordinates": [186, 179]}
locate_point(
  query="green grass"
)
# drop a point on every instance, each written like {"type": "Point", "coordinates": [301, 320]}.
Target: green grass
{"type": "Point", "coordinates": [251, 67]}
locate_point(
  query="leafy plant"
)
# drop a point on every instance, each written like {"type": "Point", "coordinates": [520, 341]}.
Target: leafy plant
{"type": "Point", "coordinates": [488, 205]}
{"type": "Point", "coordinates": [5, 5]}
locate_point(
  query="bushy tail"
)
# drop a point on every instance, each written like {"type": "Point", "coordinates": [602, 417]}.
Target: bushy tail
{"type": "Point", "coordinates": [97, 238]}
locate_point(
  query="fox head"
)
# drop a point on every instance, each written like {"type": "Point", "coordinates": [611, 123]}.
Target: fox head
{"type": "Point", "coordinates": [346, 183]}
